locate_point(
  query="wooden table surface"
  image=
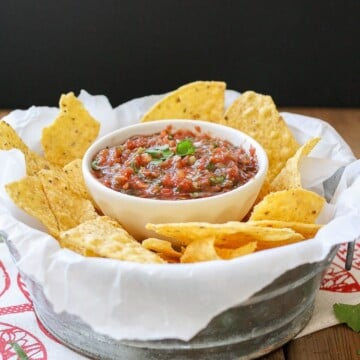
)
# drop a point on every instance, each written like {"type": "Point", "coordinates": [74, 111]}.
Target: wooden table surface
{"type": "Point", "coordinates": [338, 342]}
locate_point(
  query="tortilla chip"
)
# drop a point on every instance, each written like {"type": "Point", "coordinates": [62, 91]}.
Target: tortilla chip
{"type": "Point", "coordinates": [69, 209]}
{"type": "Point", "coordinates": [200, 250]}
{"type": "Point", "coordinates": [263, 239]}
{"type": "Point", "coordinates": [243, 233]}
{"type": "Point", "coordinates": [290, 176]}
{"type": "Point", "coordinates": [185, 233]}
{"type": "Point", "coordinates": [257, 116]}
{"type": "Point", "coordinates": [228, 254]}
{"type": "Point", "coordinates": [42, 163]}
{"type": "Point", "coordinates": [298, 205]}
{"type": "Point", "coordinates": [161, 247]}
{"type": "Point", "coordinates": [75, 178]}
{"type": "Point", "coordinates": [29, 195]}
{"type": "Point", "coordinates": [169, 259]}
{"type": "Point", "coordinates": [9, 139]}
{"type": "Point", "coordinates": [199, 100]}
{"type": "Point", "coordinates": [280, 237]}
{"type": "Point", "coordinates": [308, 231]}
{"type": "Point", "coordinates": [72, 132]}
{"type": "Point", "coordinates": [206, 250]}
{"type": "Point", "coordinates": [104, 237]}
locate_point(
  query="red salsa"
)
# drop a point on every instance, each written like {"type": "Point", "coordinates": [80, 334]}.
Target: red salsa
{"type": "Point", "coordinates": [175, 165]}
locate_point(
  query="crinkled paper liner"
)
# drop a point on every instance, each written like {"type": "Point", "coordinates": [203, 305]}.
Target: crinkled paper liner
{"type": "Point", "coordinates": [147, 302]}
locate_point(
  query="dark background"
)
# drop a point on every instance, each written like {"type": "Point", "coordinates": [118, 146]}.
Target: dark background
{"type": "Point", "coordinates": [301, 52]}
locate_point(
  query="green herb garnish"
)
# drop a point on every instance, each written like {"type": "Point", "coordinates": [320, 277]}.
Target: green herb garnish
{"type": "Point", "coordinates": [348, 314]}
{"type": "Point", "coordinates": [210, 166]}
{"type": "Point", "coordinates": [95, 165]}
{"type": "Point", "coordinates": [217, 180]}
{"type": "Point", "coordinates": [156, 161]}
{"type": "Point", "coordinates": [160, 153]}
{"type": "Point", "coordinates": [19, 351]}
{"type": "Point", "coordinates": [185, 147]}
{"type": "Point", "coordinates": [135, 167]}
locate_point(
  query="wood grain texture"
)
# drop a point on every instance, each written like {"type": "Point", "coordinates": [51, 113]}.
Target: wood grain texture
{"type": "Point", "coordinates": [275, 355]}
{"type": "Point", "coordinates": [3, 113]}
{"type": "Point", "coordinates": [335, 343]}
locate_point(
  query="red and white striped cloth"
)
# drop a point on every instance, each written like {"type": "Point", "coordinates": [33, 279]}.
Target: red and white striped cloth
{"type": "Point", "coordinates": [19, 324]}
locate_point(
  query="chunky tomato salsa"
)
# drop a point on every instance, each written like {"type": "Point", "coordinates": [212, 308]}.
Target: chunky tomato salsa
{"type": "Point", "coordinates": [174, 165]}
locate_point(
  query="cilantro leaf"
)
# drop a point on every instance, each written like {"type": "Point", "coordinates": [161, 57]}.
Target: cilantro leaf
{"type": "Point", "coordinates": [160, 152]}
{"type": "Point", "coordinates": [185, 147]}
{"type": "Point", "coordinates": [349, 314]}
{"type": "Point", "coordinates": [210, 166]}
{"type": "Point", "coordinates": [135, 167]}
{"type": "Point", "coordinates": [19, 351]}
{"type": "Point", "coordinates": [95, 165]}
{"type": "Point", "coordinates": [156, 161]}
{"type": "Point", "coordinates": [217, 180]}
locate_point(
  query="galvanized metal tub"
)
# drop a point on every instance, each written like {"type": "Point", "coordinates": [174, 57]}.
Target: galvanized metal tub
{"type": "Point", "coordinates": [266, 321]}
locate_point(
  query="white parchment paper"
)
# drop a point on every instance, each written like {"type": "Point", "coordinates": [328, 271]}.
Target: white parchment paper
{"type": "Point", "coordinates": [146, 302]}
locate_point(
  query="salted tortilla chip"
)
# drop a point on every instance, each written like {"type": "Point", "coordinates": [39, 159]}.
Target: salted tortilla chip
{"type": "Point", "coordinates": [199, 100]}
{"type": "Point", "coordinates": [185, 233]}
{"type": "Point", "coordinates": [256, 115]}
{"type": "Point", "coordinates": [290, 176]}
{"type": "Point", "coordinates": [71, 133]}
{"type": "Point", "coordinates": [269, 244]}
{"type": "Point", "coordinates": [69, 209]}
{"type": "Point", "coordinates": [263, 239]}
{"type": "Point", "coordinates": [75, 178]}
{"type": "Point", "coordinates": [9, 139]}
{"type": "Point", "coordinates": [228, 254]}
{"type": "Point", "coordinates": [206, 250]}
{"type": "Point", "coordinates": [308, 231]}
{"type": "Point", "coordinates": [42, 163]}
{"type": "Point", "coordinates": [162, 247]}
{"type": "Point", "coordinates": [242, 232]}
{"type": "Point", "coordinates": [280, 237]}
{"type": "Point", "coordinates": [28, 194]}
{"type": "Point", "coordinates": [200, 250]}
{"type": "Point", "coordinates": [104, 237]}
{"type": "Point", "coordinates": [298, 205]}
